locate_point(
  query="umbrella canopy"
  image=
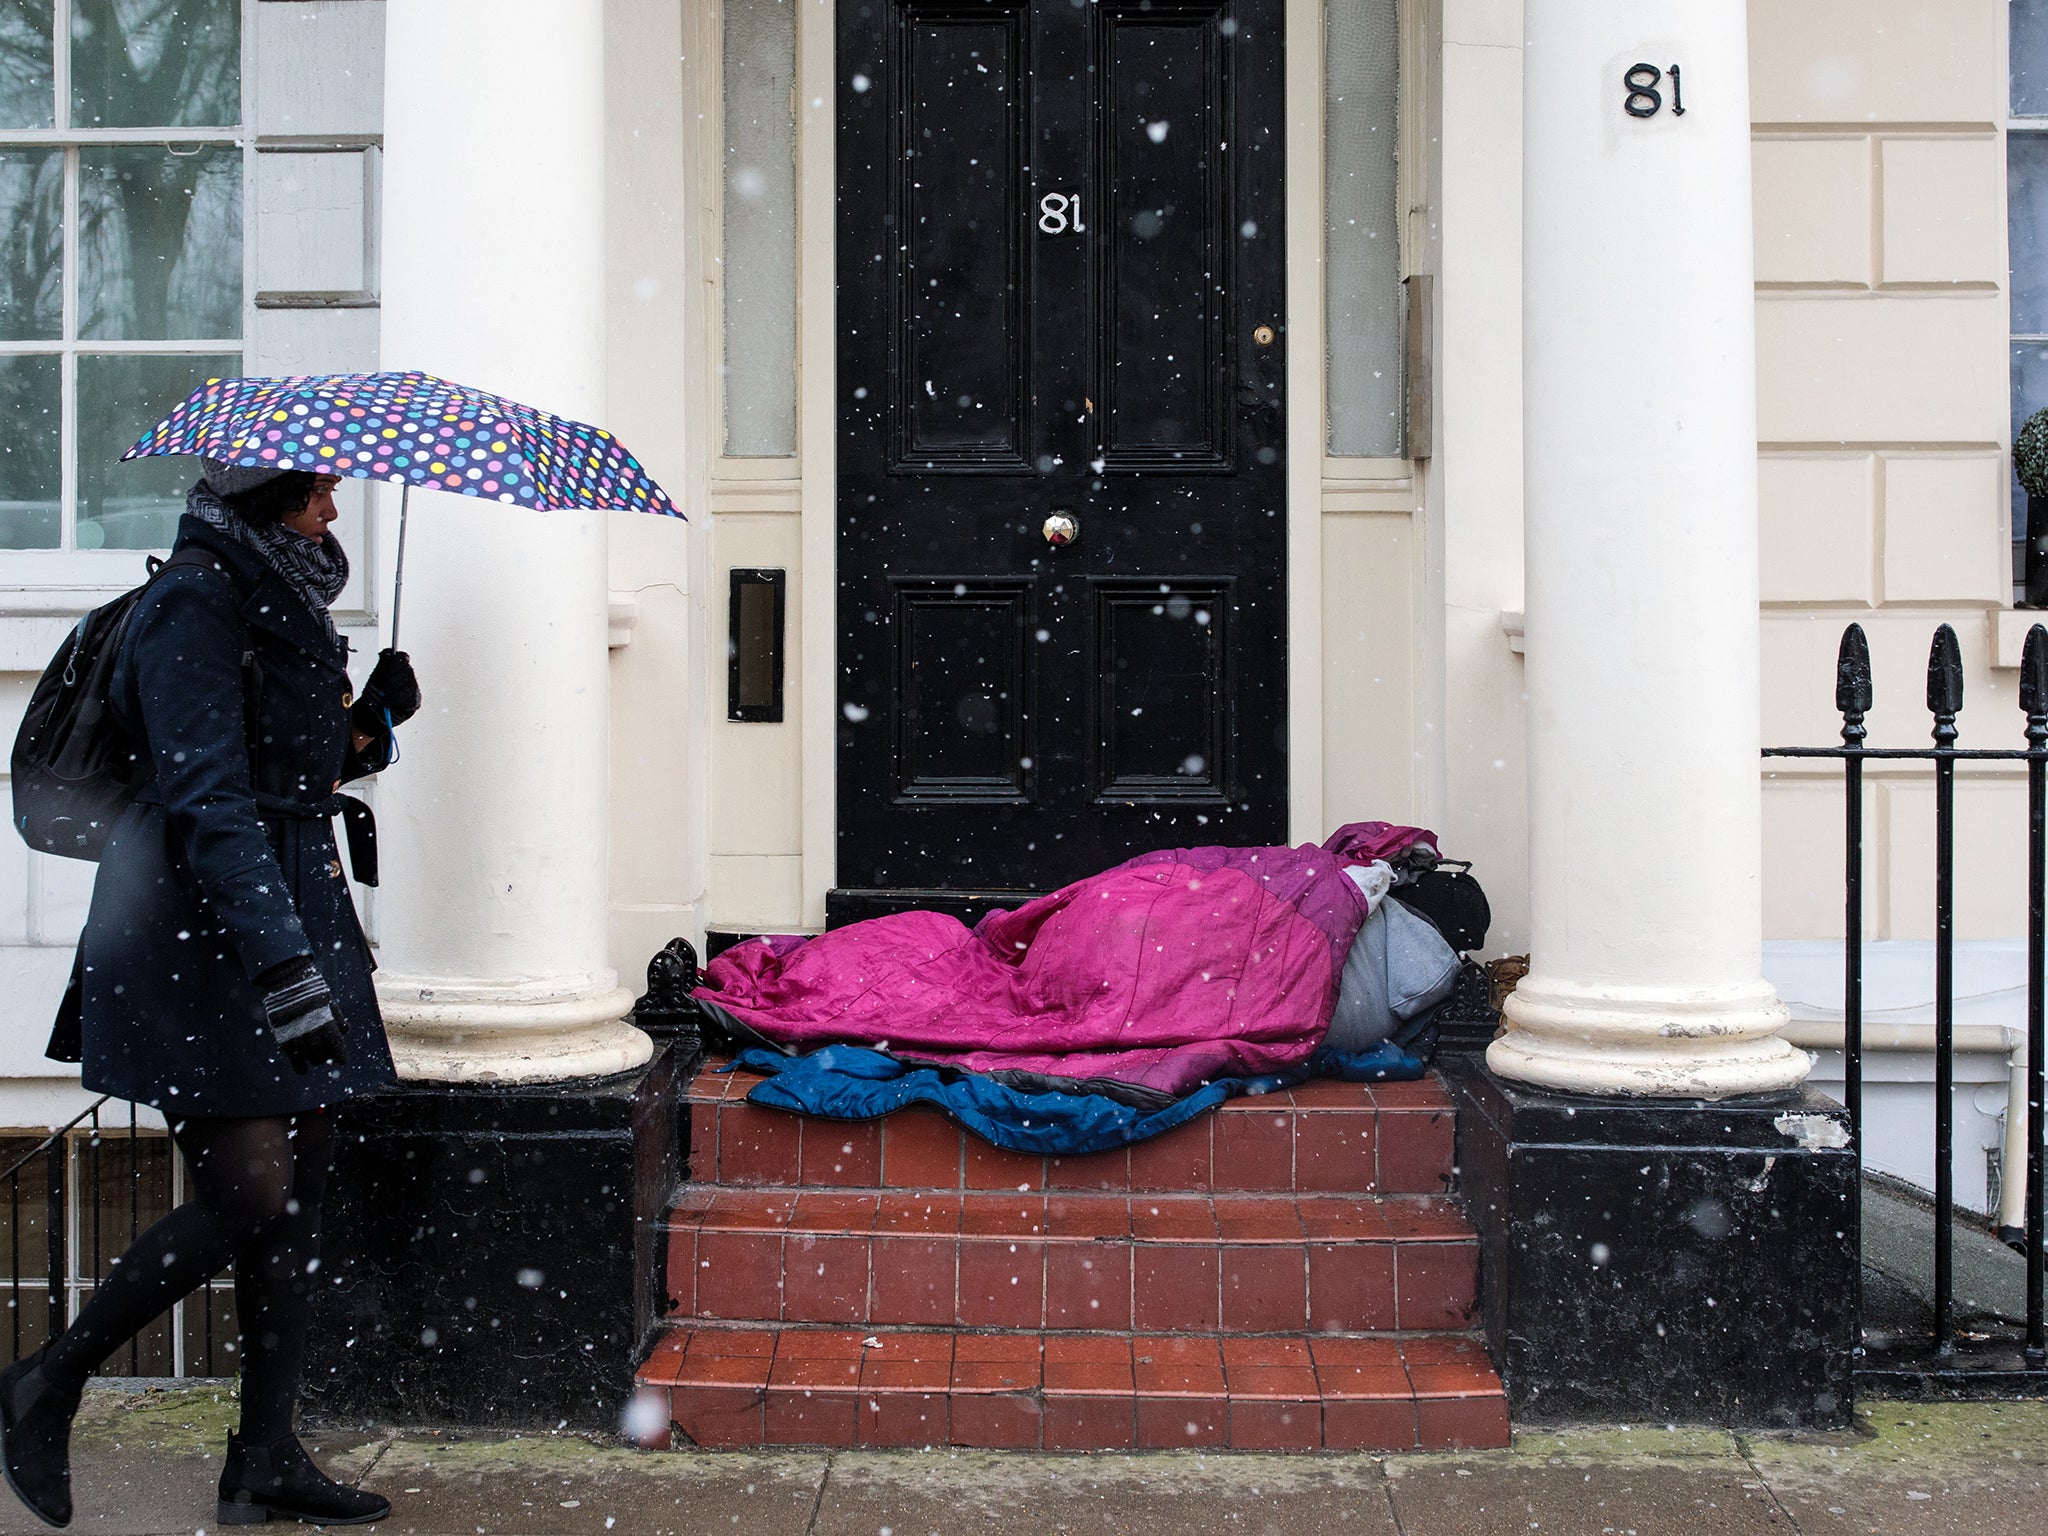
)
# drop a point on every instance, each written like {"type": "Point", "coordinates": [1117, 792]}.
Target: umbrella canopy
{"type": "Point", "coordinates": [411, 429]}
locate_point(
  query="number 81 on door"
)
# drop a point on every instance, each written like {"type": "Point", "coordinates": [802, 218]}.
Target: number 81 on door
{"type": "Point", "coordinates": [1059, 213]}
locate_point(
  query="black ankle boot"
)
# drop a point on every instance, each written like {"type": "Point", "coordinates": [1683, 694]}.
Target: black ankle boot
{"type": "Point", "coordinates": [35, 1438]}
{"type": "Point", "coordinates": [262, 1482]}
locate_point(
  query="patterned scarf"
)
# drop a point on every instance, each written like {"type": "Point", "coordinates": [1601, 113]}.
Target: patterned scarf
{"type": "Point", "coordinates": [316, 571]}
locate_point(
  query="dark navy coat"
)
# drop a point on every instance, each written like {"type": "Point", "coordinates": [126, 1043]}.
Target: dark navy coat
{"type": "Point", "coordinates": [223, 867]}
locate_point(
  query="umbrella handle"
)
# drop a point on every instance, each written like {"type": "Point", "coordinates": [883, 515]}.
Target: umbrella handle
{"type": "Point", "coordinates": [398, 574]}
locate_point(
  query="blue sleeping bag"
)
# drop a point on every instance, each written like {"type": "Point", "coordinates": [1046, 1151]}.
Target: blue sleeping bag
{"type": "Point", "coordinates": [848, 1082]}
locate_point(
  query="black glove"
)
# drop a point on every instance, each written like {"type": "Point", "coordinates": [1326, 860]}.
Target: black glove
{"type": "Point", "coordinates": [301, 1014]}
{"type": "Point", "coordinates": [392, 689]}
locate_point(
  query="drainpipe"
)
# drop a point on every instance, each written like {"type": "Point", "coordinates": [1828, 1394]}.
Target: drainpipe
{"type": "Point", "coordinates": [2012, 1181]}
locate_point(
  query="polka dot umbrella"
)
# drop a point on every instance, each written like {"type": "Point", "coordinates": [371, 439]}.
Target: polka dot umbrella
{"type": "Point", "coordinates": [411, 429]}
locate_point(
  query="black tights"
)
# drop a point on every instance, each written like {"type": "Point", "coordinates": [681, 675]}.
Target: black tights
{"type": "Point", "coordinates": [258, 1188]}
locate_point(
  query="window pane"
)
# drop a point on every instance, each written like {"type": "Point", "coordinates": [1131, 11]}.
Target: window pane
{"type": "Point", "coordinates": [28, 84]}
{"type": "Point", "coordinates": [33, 1191]}
{"type": "Point", "coordinates": [760, 228]}
{"type": "Point", "coordinates": [134, 505]}
{"type": "Point", "coordinates": [2029, 57]}
{"type": "Point", "coordinates": [1362, 237]}
{"type": "Point", "coordinates": [2026, 161]}
{"type": "Point", "coordinates": [31, 244]}
{"type": "Point", "coordinates": [159, 243]}
{"type": "Point", "coordinates": [31, 483]}
{"type": "Point", "coordinates": [2029, 394]}
{"type": "Point", "coordinates": [208, 1352]}
{"type": "Point", "coordinates": [156, 63]}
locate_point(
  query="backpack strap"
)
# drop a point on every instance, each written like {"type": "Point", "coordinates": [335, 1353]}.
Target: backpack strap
{"type": "Point", "coordinates": [252, 669]}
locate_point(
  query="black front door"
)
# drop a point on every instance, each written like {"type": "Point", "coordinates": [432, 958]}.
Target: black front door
{"type": "Point", "coordinates": [1062, 484]}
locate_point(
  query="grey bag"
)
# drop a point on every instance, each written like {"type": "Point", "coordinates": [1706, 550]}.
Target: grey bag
{"type": "Point", "coordinates": [1399, 969]}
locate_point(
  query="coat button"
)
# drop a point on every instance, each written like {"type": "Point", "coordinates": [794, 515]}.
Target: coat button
{"type": "Point", "coordinates": [348, 697]}
{"type": "Point", "coordinates": [334, 868]}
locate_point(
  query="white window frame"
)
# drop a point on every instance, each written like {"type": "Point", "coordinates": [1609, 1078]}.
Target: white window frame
{"type": "Point", "coordinates": [74, 577]}
{"type": "Point", "coordinates": [1350, 470]}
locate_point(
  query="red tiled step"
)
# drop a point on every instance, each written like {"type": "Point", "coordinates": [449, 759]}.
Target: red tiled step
{"type": "Point", "coordinates": [1323, 1137]}
{"type": "Point", "coordinates": [1190, 1263]}
{"type": "Point", "coordinates": [733, 1387]}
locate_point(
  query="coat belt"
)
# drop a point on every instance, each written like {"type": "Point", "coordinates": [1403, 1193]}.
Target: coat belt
{"type": "Point", "coordinates": [358, 822]}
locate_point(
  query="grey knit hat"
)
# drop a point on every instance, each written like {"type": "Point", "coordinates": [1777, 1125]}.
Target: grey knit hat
{"type": "Point", "coordinates": [233, 479]}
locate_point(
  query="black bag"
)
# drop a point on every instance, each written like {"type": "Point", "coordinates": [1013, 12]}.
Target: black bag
{"type": "Point", "coordinates": [1451, 899]}
{"type": "Point", "coordinates": [76, 766]}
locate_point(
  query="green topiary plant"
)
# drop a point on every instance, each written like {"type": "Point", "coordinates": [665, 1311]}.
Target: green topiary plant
{"type": "Point", "coordinates": [2030, 454]}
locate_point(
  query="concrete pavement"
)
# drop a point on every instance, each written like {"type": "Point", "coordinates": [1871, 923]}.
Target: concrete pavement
{"type": "Point", "coordinates": [146, 1464]}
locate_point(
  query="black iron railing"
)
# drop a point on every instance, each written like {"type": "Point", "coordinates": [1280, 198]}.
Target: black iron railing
{"type": "Point", "coordinates": [1853, 698]}
{"type": "Point", "coordinates": [75, 1199]}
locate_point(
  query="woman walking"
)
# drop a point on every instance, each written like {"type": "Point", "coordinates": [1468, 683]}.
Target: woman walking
{"type": "Point", "coordinates": [223, 977]}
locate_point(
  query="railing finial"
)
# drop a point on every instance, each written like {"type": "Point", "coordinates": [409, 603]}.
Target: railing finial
{"type": "Point", "coordinates": [2034, 682]}
{"type": "Point", "coordinates": [1945, 684]}
{"type": "Point", "coordinates": [1852, 684]}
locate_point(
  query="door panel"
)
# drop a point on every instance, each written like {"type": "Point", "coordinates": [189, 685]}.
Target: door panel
{"type": "Point", "coordinates": [1167, 255]}
{"type": "Point", "coordinates": [1162, 724]}
{"type": "Point", "coordinates": [961, 720]}
{"type": "Point", "coordinates": [1060, 289]}
{"type": "Point", "coordinates": [959, 375]}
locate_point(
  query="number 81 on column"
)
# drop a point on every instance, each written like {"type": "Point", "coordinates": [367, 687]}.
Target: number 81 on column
{"type": "Point", "coordinates": [1643, 94]}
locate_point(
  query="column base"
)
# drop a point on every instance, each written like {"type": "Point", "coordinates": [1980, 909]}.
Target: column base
{"type": "Point", "coordinates": [1662, 1260]}
{"type": "Point", "coordinates": [494, 1254]}
{"type": "Point", "coordinates": [1645, 1043]}
{"type": "Point", "coordinates": [452, 1033]}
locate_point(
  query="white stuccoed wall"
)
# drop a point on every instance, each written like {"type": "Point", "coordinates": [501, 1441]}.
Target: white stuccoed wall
{"type": "Point", "coordinates": [313, 90]}
{"type": "Point", "coordinates": [1883, 425]}
{"type": "Point", "coordinates": [1469, 739]}
{"type": "Point", "coordinates": [667, 682]}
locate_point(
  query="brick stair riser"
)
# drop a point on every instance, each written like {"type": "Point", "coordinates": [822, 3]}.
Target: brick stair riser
{"type": "Point", "coordinates": [1240, 1148]}
{"type": "Point", "coordinates": [999, 1282]}
{"type": "Point", "coordinates": [1072, 1392]}
{"type": "Point", "coordinates": [735, 1418]}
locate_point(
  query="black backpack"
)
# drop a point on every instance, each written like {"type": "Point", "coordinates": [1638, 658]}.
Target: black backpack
{"type": "Point", "coordinates": [1452, 900]}
{"type": "Point", "coordinates": [76, 765]}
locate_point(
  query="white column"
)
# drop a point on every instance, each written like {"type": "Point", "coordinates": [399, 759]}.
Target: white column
{"type": "Point", "coordinates": [1639, 376]}
{"type": "Point", "coordinates": [492, 912]}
